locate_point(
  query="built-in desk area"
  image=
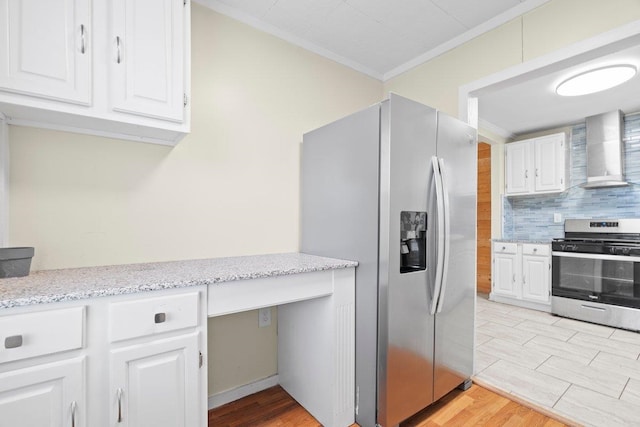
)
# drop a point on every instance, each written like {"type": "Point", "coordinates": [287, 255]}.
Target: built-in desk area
{"type": "Point", "coordinates": [116, 345]}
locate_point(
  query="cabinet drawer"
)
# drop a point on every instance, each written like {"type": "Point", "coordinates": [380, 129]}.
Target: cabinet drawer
{"type": "Point", "coordinates": [542, 250]}
{"type": "Point", "coordinates": [40, 333]}
{"type": "Point", "coordinates": [148, 316]}
{"type": "Point", "coordinates": [505, 248]}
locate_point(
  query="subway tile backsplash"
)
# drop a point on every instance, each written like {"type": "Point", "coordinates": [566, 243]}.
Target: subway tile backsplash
{"type": "Point", "coordinates": [531, 217]}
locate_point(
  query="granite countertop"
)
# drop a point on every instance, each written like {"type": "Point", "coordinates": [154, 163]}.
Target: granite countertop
{"type": "Point", "coordinates": [534, 241]}
{"type": "Point", "coordinates": [49, 286]}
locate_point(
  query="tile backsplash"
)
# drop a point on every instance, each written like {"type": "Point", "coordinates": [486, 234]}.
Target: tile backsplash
{"type": "Point", "coordinates": [531, 217]}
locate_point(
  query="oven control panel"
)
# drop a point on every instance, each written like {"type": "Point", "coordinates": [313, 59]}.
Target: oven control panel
{"type": "Point", "coordinates": [603, 224]}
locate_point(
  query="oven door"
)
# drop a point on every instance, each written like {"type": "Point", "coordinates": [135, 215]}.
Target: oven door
{"type": "Point", "coordinates": [609, 279]}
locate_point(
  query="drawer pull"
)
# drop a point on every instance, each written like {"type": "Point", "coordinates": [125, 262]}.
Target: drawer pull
{"type": "Point", "coordinates": [14, 341]}
{"type": "Point", "coordinates": [74, 407]}
{"type": "Point", "coordinates": [504, 248]}
{"type": "Point", "coordinates": [119, 394]}
{"type": "Point", "coordinates": [83, 46]}
{"type": "Point", "coordinates": [119, 55]}
{"type": "Point", "coordinates": [160, 317]}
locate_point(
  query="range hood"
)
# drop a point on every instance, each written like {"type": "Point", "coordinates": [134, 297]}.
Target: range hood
{"type": "Point", "coordinates": [605, 153]}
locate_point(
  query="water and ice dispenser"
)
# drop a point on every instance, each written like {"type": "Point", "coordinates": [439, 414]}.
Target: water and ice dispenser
{"type": "Point", "coordinates": [413, 241]}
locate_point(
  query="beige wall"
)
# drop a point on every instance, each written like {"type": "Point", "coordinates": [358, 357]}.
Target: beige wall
{"type": "Point", "coordinates": [229, 188]}
{"type": "Point", "coordinates": [554, 25]}
{"type": "Point", "coordinates": [239, 352]}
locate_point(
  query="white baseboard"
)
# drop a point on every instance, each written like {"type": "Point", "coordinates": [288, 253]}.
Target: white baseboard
{"type": "Point", "coordinates": [224, 397]}
{"type": "Point", "coordinates": [520, 303]}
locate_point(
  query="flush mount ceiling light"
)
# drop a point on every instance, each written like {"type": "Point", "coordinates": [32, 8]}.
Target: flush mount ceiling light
{"type": "Point", "coordinates": [596, 80]}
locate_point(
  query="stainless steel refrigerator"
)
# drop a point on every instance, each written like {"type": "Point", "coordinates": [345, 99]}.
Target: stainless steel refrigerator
{"type": "Point", "coordinates": [394, 187]}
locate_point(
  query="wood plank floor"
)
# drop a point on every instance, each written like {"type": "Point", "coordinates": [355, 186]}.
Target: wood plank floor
{"type": "Point", "coordinates": [476, 406]}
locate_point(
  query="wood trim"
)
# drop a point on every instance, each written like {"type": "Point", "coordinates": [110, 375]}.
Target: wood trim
{"type": "Point", "coordinates": [483, 225]}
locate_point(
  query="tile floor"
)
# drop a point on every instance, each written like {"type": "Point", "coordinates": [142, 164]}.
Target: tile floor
{"type": "Point", "coordinates": [585, 372]}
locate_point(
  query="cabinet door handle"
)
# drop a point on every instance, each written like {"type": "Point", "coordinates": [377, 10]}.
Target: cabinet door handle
{"type": "Point", "coordinates": [160, 317]}
{"type": "Point", "coordinates": [526, 173]}
{"type": "Point", "coordinates": [524, 280]}
{"type": "Point", "coordinates": [119, 394]}
{"type": "Point", "coordinates": [537, 172]}
{"type": "Point", "coordinates": [74, 406]}
{"type": "Point", "coordinates": [13, 341]}
{"type": "Point", "coordinates": [83, 44]}
{"type": "Point", "coordinates": [119, 56]}
{"type": "Point", "coordinates": [514, 278]}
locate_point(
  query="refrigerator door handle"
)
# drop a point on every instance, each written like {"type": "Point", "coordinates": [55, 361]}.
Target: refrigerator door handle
{"type": "Point", "coordinates": [447, 235]}
{"type": "Point", "coordinates": [437, 178]}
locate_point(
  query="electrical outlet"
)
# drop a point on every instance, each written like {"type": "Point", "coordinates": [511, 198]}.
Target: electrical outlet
{"type": "Point", "coordinates": [264, 317]}
{"type": "Point", "coordinates": [557, 218]}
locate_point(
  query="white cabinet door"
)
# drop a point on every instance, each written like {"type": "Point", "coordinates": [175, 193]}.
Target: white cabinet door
{"type": "Point", "coordinates": [535, 278]}
{"type": "Point", "coordinates": [156, 384]}
{"type": "Point", "coordinates": [549, 163]}
{"type": "Point", "coordinates": [148, 58]}
{"type": "Point", "coordinates": [504, 275]}
{"type": "Point", "coordinates": [49, 395]}
{"type": "Point", "coordinates": [45, 49]}
{"type": "Point", "coordinates": [517, 160]}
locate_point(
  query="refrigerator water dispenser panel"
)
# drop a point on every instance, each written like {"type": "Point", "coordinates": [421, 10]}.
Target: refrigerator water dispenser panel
{"type": "Point", "coordinates": [413, 241]}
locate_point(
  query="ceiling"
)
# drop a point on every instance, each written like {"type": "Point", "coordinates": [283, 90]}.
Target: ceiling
{"type": "Point", "coordinates": [381, 38]}
{"type": "Point", "coordinates": [384, 38]}
{"type": "Point", "coordinates": [530, 104]}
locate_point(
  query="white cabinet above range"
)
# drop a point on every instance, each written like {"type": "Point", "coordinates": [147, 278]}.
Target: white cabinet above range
{"type": "Point", "coordinates": [119, 69]}
{"type": "Point", "coordinates": [536, 166]}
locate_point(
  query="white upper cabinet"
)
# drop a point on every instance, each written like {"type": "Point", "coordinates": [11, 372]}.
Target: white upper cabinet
{"type": "Point", "coordinates": [550, 163]}
{"type": "Point", "coordinates": [46, 49]}
{"type": "Point", "coordinates": [117, 68]}
{"type": "Point", "coordinates": [536, 166]}
{"type": "Point", "coordinates": [148, 71]}
{"type": "Point", "coordinates": [517, 168]}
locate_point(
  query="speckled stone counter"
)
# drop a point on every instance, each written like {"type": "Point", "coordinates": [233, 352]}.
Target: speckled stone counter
{"type": "Point", "coordinates": [49, 286]}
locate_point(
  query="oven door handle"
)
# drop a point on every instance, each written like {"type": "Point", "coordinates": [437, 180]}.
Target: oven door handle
{"type": "Point", "coordinates": [596, 256]}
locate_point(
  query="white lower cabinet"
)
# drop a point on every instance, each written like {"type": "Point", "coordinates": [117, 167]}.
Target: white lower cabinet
{"type": "Point", "coordinates": [154, 384]}
{"type": "Point", "coordinates": [78, 365]}
{"type": "Point", "coordinates": [44, 395]}
{"type": "Point", "coordinates": [504, 270]}
{"type": "Point", "coordinates": [522, 274]}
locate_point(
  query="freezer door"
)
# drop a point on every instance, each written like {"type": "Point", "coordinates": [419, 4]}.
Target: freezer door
{"type": "Point", "coordinates": [405, 328]}
{"type": "Point", "coordinates": [454, 323]}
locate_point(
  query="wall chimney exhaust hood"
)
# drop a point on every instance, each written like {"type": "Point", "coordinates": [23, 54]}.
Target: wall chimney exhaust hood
{"type": "Point", "coordinates": [605, 152]}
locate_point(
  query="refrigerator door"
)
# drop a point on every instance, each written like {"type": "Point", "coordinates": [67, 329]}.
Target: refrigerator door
{"type": "Point", "coordinates": [405, 325]}
{"type": "Point", "coordinates": [454, 323]}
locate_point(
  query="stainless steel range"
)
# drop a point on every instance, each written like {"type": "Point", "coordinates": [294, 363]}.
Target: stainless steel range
{"type": "Point", "coordinates": [596, 272]}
